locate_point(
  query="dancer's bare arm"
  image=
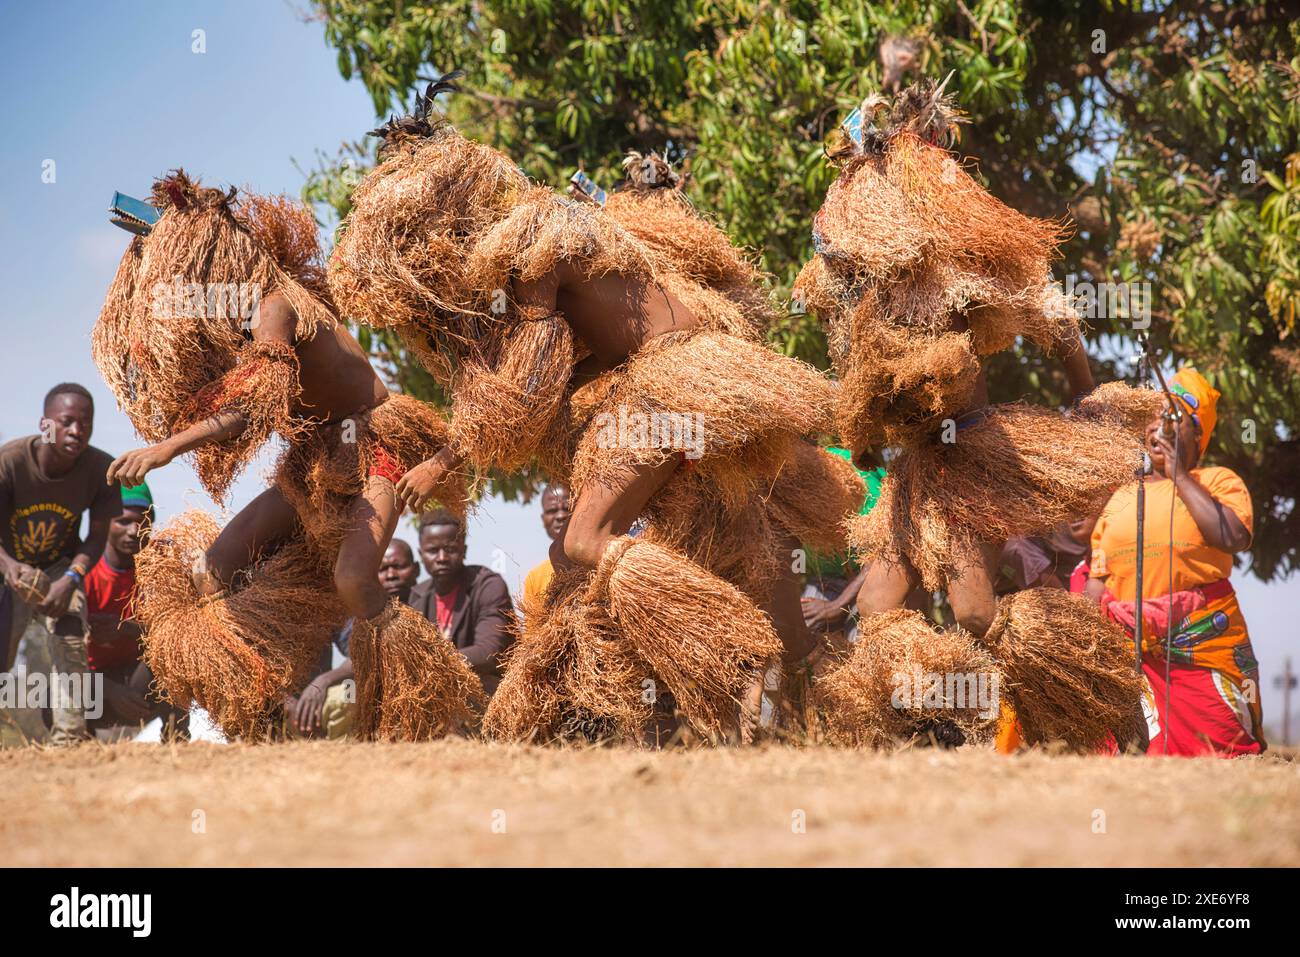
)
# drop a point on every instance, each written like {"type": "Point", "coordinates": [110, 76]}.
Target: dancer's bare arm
{"type": "Point", "coordinates": [274, 321]}
{"type": "Point", "coordinates": [419, 486]}
{"type": "Point", "coordinates": [130, 468]}
{"type": "Point", "coordinates": [1074, 357]}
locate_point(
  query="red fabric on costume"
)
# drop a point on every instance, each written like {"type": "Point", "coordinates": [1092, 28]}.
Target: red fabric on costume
{"type": "Point", "coordinates": [383, 465]}
{"type": "Point", "coordinates": [108, 592]}
{"type": "Point", "coordinates": [1204, 722]}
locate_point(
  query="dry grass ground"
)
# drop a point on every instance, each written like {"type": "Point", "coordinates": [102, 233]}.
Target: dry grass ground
{"type": "Point", "coordinates": [323, 803]}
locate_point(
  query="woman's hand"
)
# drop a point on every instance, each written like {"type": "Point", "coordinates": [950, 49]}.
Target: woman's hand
{"type": "Point", "coordinates": [1173, 468]}
{"type": "Point", "coordinates": [130, 468]}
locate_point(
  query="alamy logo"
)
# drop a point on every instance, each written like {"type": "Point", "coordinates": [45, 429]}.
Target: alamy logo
{"type": "Point", "coordinates": [1107, 300]}
{"type": "Point", "coordinates": [682, 432]}
{"type": "Point", "coordinates": [197, 300]}
{"type": "Point", "coordinates": [61, 690]}
{"type": "Point", "coordinates": [962, 691]}
{"type": "Point", "coordinates": [103, 910]}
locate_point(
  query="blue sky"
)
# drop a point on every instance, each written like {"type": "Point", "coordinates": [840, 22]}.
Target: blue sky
{"type": "Point", "coordinates": [113, 94]}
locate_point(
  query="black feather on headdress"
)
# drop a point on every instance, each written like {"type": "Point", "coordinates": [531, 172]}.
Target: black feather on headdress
{"type": "Point", "coordinates": [925, 110]}
{"type": "Point", "coordinates": [421, 122]}
{"type": "Point", "coordinates": [922, 109]}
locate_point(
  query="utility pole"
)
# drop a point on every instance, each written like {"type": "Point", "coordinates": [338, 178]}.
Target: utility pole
{"type": "Point", "coordinates": [1286, 681]}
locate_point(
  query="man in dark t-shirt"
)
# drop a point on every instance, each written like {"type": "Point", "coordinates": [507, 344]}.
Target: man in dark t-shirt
{"type": "Point", "coordinates": [47, 482]}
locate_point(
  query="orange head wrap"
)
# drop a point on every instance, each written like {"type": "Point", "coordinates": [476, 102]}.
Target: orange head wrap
{"type": "Point", "coordinates": [1199, 398]}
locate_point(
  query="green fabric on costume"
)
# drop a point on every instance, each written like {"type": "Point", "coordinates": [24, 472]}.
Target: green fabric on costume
{"type": "Point", "coordinates": [821, 567]}
{"type": "Point", "coordinates": [872, 478]}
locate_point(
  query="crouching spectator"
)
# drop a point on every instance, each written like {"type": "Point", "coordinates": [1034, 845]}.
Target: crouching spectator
{"type": "Point", "coordinates": [326, 708]}
{"type": "Point", "coordinates": [113, 637]}
{"type": "Point", "coordinates": [470, 604]}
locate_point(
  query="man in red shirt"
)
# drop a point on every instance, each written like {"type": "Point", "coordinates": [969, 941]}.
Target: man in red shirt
{"type": "Point", "coordinates": [470, 604]}
{"type": "Point", "coordinates": [112, 634]}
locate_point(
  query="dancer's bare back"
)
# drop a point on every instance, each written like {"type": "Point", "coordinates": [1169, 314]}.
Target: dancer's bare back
{"type": "Point", "coordinates": [613, 315]}
{"type": "Point", "coordinates": [335, 376]}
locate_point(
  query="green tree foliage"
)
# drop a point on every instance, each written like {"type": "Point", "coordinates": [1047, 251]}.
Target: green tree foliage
{"type": "Point", "coordinates": [1168, 131]}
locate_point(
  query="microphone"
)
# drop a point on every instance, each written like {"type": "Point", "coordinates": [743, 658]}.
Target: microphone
{"type": "Point", "coordinates": [1167, 419]}
{"type": "Point", "coordinates": [1173, 411]}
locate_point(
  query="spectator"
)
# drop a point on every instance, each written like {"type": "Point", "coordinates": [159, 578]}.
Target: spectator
{"type": "Point", "coordinates": [326, 707]}
{"type": "Point", "coordinates": [832, 582]}
{"type": "Point", "coordinates": [1051, 560]}
{"type": "Point", "coordinates": [1205, 691]}
{"type": "Point", "coordinates": [470, 604]}
{"type": "Point", "coordinates": [113, 647]}
{"type": "Point", "coordinates": [556, 509]}
{"type": "Point", "coordinates": [47, 482]}
{"type": "Point", "coordinates": [398, 572]}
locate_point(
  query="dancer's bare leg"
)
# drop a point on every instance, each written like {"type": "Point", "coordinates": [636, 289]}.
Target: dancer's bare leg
{"type": "Point", "coordinates": [970, 588]}
{"type": "Point", "coordinates": [258, 527]}
{"type": "Point", "coordinates": [785, 609]}
{"type": "Point", "coordinates": [886, 587]}
{"type": "Point", "coordinates": [371, 519]}
{"type": "Point", "coordinates": [606, 510]}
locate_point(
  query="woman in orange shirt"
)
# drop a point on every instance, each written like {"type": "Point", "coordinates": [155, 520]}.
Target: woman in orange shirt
{"type": "Point", "coordinates": [1204, 693]}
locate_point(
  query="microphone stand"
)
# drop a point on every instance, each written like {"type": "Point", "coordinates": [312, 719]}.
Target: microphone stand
{"type": "Point", "coordinates": [1144, 362]}
{"type": "Point", "coordinates": [1173, 414]}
